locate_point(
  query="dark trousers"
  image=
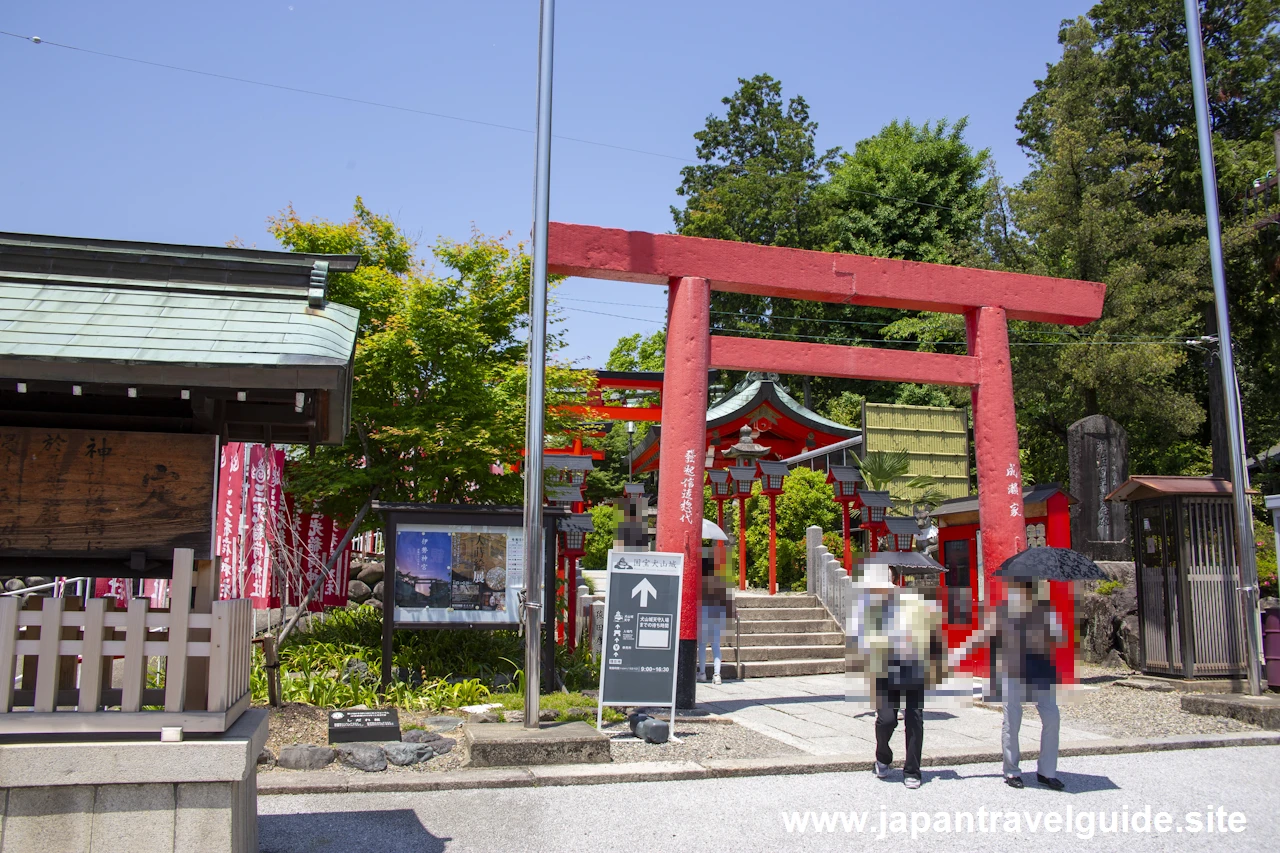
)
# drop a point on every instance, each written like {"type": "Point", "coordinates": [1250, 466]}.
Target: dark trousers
{"type": "Point", "coordinates": [887, 703]}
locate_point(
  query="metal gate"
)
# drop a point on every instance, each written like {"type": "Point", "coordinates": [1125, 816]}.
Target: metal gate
{"type": "Point", "coordinates": [1159, 602]}
{"type": "Point", "coordinates": [1188, 612]}
{"type": "Point", "coordinates": [1212, 583]}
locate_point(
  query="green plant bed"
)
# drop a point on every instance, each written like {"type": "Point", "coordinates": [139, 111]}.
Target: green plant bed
{"type": "Point", "coordinates": [562, 702]}
{"type": "Point", "coordinates": [335, 661]}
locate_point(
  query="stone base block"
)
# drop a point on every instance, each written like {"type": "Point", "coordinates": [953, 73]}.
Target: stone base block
{"type": "Point", "coordinates": [1262, 711]}
{"type": "Point", "coordinates": [511, 744]}
{"type": "Point", "coordinates": [90, 797]}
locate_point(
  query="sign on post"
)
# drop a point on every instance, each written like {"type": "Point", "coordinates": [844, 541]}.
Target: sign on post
{"type": "Point", "coordinates": [641, 631]}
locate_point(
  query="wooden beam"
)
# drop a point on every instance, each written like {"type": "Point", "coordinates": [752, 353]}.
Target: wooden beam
{"type": "Point", "coordinates": [807, 359]}
{"type": "Point", "coordinates": [611, 253]}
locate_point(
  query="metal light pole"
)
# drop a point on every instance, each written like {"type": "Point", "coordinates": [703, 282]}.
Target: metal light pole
{"type": "Point", "coordinates": [1230, 390]}
{"type": "Point", "coordinates": [631, 431]}
{"type": "Point", "coordinates": [533, 434]}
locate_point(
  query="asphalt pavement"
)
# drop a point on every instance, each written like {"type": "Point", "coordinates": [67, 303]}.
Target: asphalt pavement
{"type": "Point", "coordinates": [1214, 799]}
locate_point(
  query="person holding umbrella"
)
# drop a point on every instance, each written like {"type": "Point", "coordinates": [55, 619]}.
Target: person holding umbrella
{"type": "Point", "coordinates": [1028, 632]}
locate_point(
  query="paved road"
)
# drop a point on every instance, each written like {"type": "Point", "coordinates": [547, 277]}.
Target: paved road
{"type": "Point", "coordinates": [813, 714]}
{"type": "Point", "coordinates": [746, 815]}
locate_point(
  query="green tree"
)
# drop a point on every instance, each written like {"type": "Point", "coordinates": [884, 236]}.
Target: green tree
{"type": "Point", "coordinates": [605, 519]}
{"type": "Point", "coordinates": [760, 167]}
{"type": "Point", "coordinates": [762, 181]}
{"type": "Point", "coordinates": [1114, 196]}
{"type": "Point", "coordinates": [806, 499]}
{"type": "Point", "coordinates": [911, 192]}
{"type": "Point", "coordinates": [639, 352]}
{"type": "Point", "coordinates": [439, 374]}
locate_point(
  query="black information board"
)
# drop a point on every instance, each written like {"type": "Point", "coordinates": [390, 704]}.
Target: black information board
{"type": "Point", "coordinates": [461, 566]}
{"type": "Point", "coordinates": [350, 725]}
{"type": "Point", "coordinates": [642, 629]}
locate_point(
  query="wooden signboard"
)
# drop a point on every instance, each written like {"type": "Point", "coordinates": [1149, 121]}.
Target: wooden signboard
{"type": "Point", "coordinates": [94, 493]}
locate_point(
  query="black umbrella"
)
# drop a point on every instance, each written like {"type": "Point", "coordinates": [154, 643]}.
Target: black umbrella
{"type": "Point", "coordinates": [1051, 564]}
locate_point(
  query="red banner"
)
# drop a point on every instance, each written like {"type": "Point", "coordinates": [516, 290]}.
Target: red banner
{"type": "Point", "coordinates": [230, 515]}
{"type": "Point", "coordinates": [264, 469]}
{"type": "Point", "coordinates": [271, 552]}
{"type": "Point", "coordinates": [335, 585]}
{"type": "Point", "coordinates": [121, 589]}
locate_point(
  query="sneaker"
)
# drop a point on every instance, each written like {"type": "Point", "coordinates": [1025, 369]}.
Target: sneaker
{"type": "Point", "coordinates": [715, 679]}
{"type": "Point", "coordinates": [702, 678]}
{"type": "Point", "coordinates": [881, 770]}
{"type": "Point", "coordinates": [1051, 783]}
{"type": "Point", "coordinates": [911, 782]}
{"type": "Point", "coordinates": [1014, 782]}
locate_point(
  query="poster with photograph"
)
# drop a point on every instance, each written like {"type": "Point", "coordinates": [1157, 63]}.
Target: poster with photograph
{"type": "Point", "coordinates": [457, 573]}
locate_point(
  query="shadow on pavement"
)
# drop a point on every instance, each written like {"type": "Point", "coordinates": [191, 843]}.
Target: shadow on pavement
{"type": "Point", "coordinates": [392, 831]}
{"type": "Point", "coordinates": [1083, 783]}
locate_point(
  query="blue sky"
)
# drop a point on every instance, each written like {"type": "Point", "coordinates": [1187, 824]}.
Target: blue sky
{"type": "Point", "coordinates": [100, 147]}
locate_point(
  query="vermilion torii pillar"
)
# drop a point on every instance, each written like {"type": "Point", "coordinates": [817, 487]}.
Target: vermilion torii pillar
{"type": "Point", "coordinates": [681, 470]}
{"type": "Point", "coordinates": [692, 267]}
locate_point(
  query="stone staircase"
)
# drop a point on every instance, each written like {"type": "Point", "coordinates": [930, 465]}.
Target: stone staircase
{"type": "Point", "coordinates": [784, 634]}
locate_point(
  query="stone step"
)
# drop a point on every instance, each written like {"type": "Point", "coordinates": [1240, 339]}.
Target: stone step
{"type": "Point", "coordinates": [786, 626]}
{"type": "Point", "coordinates": [759, 614]}
{"type": "Point", "coordinates": [771, 653]}
{"type": "Point", "coordinates": [758, 599]}
{"type": "Point", "coordinates": [764, 669]}
{"type": "Point", "coordinates": [817, 638]}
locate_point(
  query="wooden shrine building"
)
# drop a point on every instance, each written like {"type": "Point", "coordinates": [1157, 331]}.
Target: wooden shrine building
{"type": "Point", "coordinates": [124, 365]}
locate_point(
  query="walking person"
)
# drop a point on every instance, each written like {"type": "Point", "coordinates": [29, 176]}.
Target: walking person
{"type": "Point", "coordinates": [717, 607]}
{"type": "Point", "coordinates": [1027, 631]}
{"type": "Point", "coordinates": [898, 636]}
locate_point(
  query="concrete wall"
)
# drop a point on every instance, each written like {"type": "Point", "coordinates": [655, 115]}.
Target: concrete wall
{"type": "Point", "coordinates": [198, 795]}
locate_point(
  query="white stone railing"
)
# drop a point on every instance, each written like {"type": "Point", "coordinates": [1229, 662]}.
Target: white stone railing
{"type": "Point", "coordinates": [827, 579]}
{"type": "Point", "coordinates": [56, 663]}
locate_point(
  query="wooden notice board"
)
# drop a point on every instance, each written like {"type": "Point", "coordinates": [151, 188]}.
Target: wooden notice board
{"type": "Point", "coordinates": [103, 494]}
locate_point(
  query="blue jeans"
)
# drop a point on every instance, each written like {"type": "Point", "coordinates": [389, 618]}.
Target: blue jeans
{"type": "Point", "coordinates": [709, 628]}
{"type": "Point", "coordinates": [1016, 691]}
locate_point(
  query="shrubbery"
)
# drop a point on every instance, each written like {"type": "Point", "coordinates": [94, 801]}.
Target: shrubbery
{"type": "Point", "coordinates": [336, 662]}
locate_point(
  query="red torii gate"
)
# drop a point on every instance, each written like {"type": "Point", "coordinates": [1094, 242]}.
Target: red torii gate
{"type": "Point", "coordinates": [691, 267]}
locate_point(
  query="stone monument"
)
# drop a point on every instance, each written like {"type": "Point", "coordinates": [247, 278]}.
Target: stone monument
{"type": "Point", "coordinates": [1098, 455]}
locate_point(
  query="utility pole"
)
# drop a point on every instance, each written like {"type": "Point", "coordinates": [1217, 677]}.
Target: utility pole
{"type": "Point", "coordinates": [533, 435]}
{"type": "Point", "coordinates": [1248, 593]}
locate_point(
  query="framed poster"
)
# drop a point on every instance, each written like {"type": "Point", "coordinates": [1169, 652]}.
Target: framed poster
{"type": "Point", "coordinates": [462, 566]}
{"type": "Point", "coordinates": [457, 573]}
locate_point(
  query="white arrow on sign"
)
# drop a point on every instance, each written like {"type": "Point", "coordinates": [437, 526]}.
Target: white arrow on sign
{"type": "Point", "coordinates": [644, 589]}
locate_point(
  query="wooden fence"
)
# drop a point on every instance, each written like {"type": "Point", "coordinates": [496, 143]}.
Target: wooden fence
{"type": "Point", "coordinates": [56, 662]}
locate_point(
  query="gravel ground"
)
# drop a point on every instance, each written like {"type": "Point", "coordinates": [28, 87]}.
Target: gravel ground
{"type": "Point", "coordinates": [698, 742]}
{"type": "Point", "coordinates": [1102, 706]}
{"type": "Point", "coordinates": [296, 723]}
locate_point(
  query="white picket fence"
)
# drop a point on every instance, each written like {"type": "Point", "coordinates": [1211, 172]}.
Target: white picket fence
{"type": "Point", "coordinates": [826, 578]}
{"type": "Point", "coordinates": [56, 663]}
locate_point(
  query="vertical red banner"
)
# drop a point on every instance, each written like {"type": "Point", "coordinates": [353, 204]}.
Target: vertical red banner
{"type": "Point", "coordinates": [117, 588]}
{"type": "Point", "coordinates": [335, 585]}
{"type": "Point", "coordinates": [230, 510]}
{"type": "Point", "coordinates": [318, 529]}
{"type": "Point", "coordinates": [257, 568]}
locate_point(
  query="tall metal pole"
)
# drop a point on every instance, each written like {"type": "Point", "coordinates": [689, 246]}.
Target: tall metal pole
{"type": "Point", "coordinates": [1231, 391]}
{"type": "Point", "coordinates": [533, 435]}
